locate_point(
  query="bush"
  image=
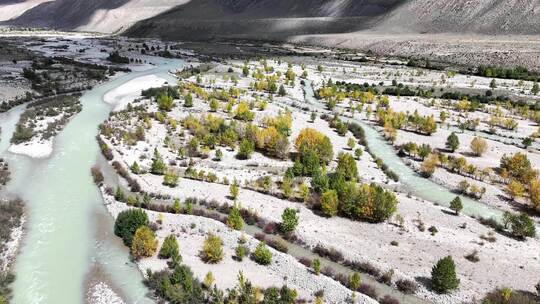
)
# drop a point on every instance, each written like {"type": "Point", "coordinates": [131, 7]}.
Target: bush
{"type": "Point", "coordinates": [144, 243]}
{"type": "Point", "coordinates": [246, 149]}
{"type": "Point", "coordinates": [443, 275]}
{"type": "Point", "coordinates": [329, 203]}
{"type": "Point", "coordinates": [508, 296]}
{"type": "Point", "coordinates": [456, 205]}
{"type": "Point", "coordinates": [289, 220]}
{"type": "Point", "coordinates": [240, 252]}
{"type": "Point", "coordinates": [212, 251]}
{"type": "Point", "coordinates": [127, 222]}
{"type": "Point", "coordinates": [262, 254]}
{"type": "Point", "coordinates": [234, 220]}
{"type": "Point", "coordinates": [388, 300]}
{"type": "Point", "coordinates": [354, 281]}
{"type": "Point", "coordinates": [97, 175]}
{"type": "Point", "coordinates": [407, 286]}
{"type": "Point", "coordinates": [368, 290]}
{"type": "Point", "coordinates": [169, 248]}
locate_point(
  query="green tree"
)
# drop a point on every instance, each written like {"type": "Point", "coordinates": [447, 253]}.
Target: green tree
{"type": "Point", "coordinates": [493, 84]}
{"type": "Point", "coordinates": [316, 265]}
{"type": "Point", "coordinates": [127, 222]}
{"type": "Point", "coordinates": [262, 255]}
{"type": "Point", "coordinates": [246, 149]}
{"type": "Point", "coordinates": [452, 142]}
{"type": "Point", "coordinates": [289, 220]}
{"type": "Point", "coordinates": [235, 220]}
{"type": "Point", "coordinates": [158, 166]}
{"type": "Point", "coordinates": [165, 102]}
{"type": "Point", "coordinates": [282, 92]}
{"type": "Point", "coordinates": [522, 226]}
{"type": "Point", "coordinates": [329, 203]}
{"type": "Point", "coordinates": [443, 275]}
{"type": "Point", "coordinates": [358, 153]}
{"type": "Point", "coordinates": [144, 243]}
{"type": "Point", "coordinates": [214, 104]}
{"type": "Point", "coordinates": [135, 168]}
{"type": "Point", "coordinates": [354, 281]}
{"type": "Point", "coordinates": [170, 178]}
{"type": "Point", "coordinates": [212, 251]}
{"type": "Point", "coordinates": [219, 155]}
{"type": "Point", "coordinates": [169, 248]}
{"type": "Point", "coordinates": [188, 100]}
{"type": "Point", "coordinates": [456, 205]}
{"type": "Point", "coordinates": [535, 88]}
{"type": "Point", "coordinates": [234, 190]}
{"type": "Point", "coordinates": [347, 166]}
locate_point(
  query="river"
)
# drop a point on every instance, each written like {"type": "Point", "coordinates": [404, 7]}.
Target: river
{"type": "Point", "coordinates": [68, 231]}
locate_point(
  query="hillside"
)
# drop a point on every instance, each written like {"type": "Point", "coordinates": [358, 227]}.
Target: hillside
{"type": "Point", "coordinates": [253, 18]}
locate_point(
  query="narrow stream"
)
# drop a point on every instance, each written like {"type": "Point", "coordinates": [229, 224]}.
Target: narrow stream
{"type": "Point", "coordinates": [412, 182]}
{"type": "Point", "coordinates": [68, 232]}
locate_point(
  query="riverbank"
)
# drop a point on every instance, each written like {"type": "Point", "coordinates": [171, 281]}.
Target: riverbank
{"type": "Point", "coordinates": [191, 230]}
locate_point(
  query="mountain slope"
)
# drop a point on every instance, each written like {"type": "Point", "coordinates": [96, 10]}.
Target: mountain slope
{"type": "Point", "coordinates": [200, 19]}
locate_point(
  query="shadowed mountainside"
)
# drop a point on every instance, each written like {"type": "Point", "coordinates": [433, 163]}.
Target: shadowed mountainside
{"type": "Point", "coordinates": [201, 19]}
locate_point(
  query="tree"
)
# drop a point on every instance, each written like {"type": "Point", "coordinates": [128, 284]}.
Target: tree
{"type": "Point", "coordinates": [262, 255]}
{"type": "Point", "coordinates": [522, 226]}
{"type": "Point", "coordinates": [358, 153]}
{"type": "Point", "coordinates": [316, 265]}
{"type": "Point", "coordinates": [515, 189]}
{"type": "Point", "coordinates": [535, 88]}
{"type": "Point", "coordinates": [329, 203]}
{"type": "Point", "coordinates": [493, 84]}
{"type": "Point", "coordinates": [208, 280]}
{"type": "Point", "coordinates": [158, 166]}
{"type": "Point", "coordinates": [534, 194]}
{"type": "Point", "coordinates": [188, 100]}
{"type": "Point", "coordinates": [429, 165]}
{"type": "Point", "coordinates": [282, 92]}
{"type": "Point", "coordinates": [169, 248]}
{"type": "Point", "coordinates": [347, 166]}
{"type": "Point", "coordinates": [443, 275]}
{"type": "Point", "coordinates": [478, 146]}
{"type": "Point", "coordinates": [212, 251]}
{"type": "Point", "coordinates": [135, 168]}
{"type": "Point", "coordinates": [452, 142]}
{"type": "Point", "coordinates": [170, 178]}
{"type": "Point", "coordinates": [127, 222]}
{"type": "Point", "coordinates": [144, 243]}
{"type": "Point", "coordinates": [165, 102]}
{"type": "Point", "coordinates": [246, 149]}
{"type": "Point", "coordinates": [233, 190]}
{"type": "Point", "coordinates": [314, 140]}
{"type": "Point", "coordinates": [218, 155]}
{"type": "Point", "coordinates": [351, 143]}
{"type": "Point", "coordinates": [456, 205]}
{"type": "Point", "coordinates": [289, 220]}
{"type": "Point", "coordinates": [243, 112]}
{"type": "Point", "coordinates": [519, 167]}
{"type": "Point", "coordinates": [354, 281]}
{"type": "Point", "coordinates": [235, 220]}
{"type": "Point", "coordinates": [214, 104]}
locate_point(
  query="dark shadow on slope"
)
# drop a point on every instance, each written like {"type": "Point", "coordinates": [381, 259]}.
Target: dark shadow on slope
{"type": "Point", "coordinates": [263, 19]}
{"type": "Point", "coordinates": [63, 14]}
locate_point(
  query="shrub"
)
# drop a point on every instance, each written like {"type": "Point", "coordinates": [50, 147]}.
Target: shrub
{"type": "Point", "coordinates": [347, 166]}
{"type": "Point", "coordinates": [262, 254]}
{"type": "Point", "coordinates": [240, 252]}
{"type": "Point", "coordinates": [233, 190]}
{"type": "Point", "coordinates": [234, 220]}
{"type": "Point", "coordinates": [97, 175]}
{"type": "Point", "coordinates": [289, 220]}
{"type": "Point", "coordinates": [246, 149]}
{"type": "Point", "coordinates": [452, 142]}
{"type": "Point", "coordinates": [169, 247]}
{"type": "Point", "coordinates": [443, 275]}
{"type": "Point", "coordinates": [478, 146]}
{"type": "Point", "coordinates": [386, 278]}
{"type": "Point", "coordinates": [316, 266]}
{"type": "Point", "coordinates": [522, 226]}
{"type": "Point", "coordinates": [329, 203]}
{"type": "Point", "coordinates": [388, 300]}
{"type": "Point", "coordinates": [354, 281]}
{"type": "Point", "coordinates": [127, 222]}
{"type": "Point", "coordinates": [473, 256]}
{"type": "Point", "coordinates": [407, 286]}
{"type": "Point", "coordinates": [368, 290]}
{"type": "Point", "coordinates": [509, 296]}
{"type": "Point", "coordinates": [144, 243]}
{"type": "Point", "coordinates": [212, 251]}
{"type": "Point", "coordinates": [456, 205]}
